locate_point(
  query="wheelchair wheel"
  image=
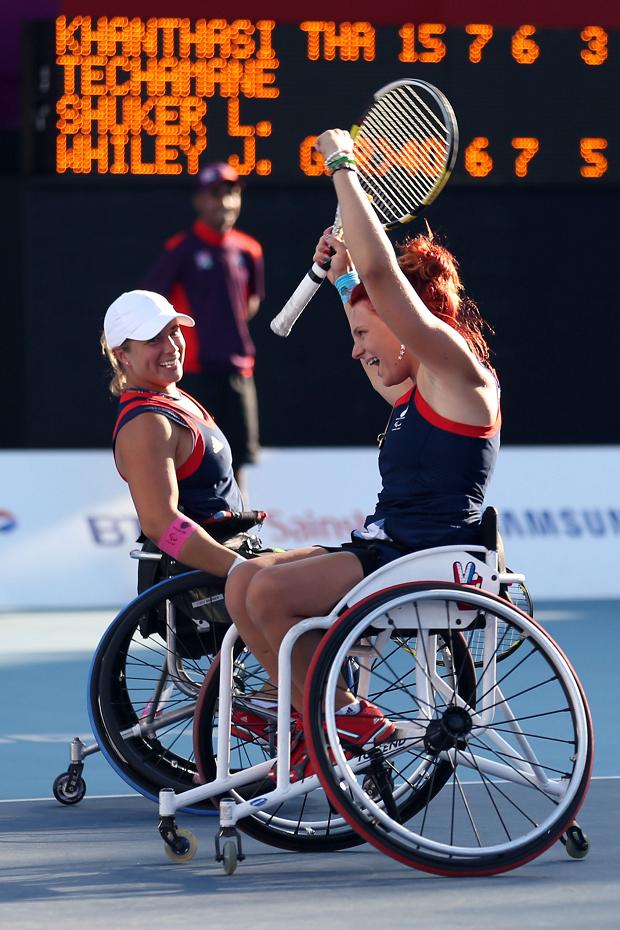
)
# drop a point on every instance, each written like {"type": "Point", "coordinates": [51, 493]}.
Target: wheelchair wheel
{"type": "Point", "coordinates": [305, 823]}
{"type": "Point", "coordinates": [518, 745]}
{"type": "Point", "coordinates": [145, 678]}
{"type": "Point", "coordinates": [309, 823]}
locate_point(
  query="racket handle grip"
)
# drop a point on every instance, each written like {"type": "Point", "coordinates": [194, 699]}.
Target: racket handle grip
{"type": "Point", "coordinates": [283, 323]}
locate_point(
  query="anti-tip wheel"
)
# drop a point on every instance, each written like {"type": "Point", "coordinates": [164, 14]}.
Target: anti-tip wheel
{"type": "Point", "coordinates": [577, 843]}
{"type": "Point", "coordinates": [229, 857]}
{"type": "Point", "coordinates": [63, 794]}
{"type": "Point", "coordinates": [191, 846]}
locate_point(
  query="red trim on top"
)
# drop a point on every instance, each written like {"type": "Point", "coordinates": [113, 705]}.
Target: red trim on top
{"type": "Point", "coordinates": [192, 462]}
{"type": "Point", "coordinates": [211, 236]}
{"type": "Point", "coordinates": [175, 240]}
{"type": "Point", "coordinates": [246, 242]}
{"type": "Point", "coordinates": [451, 426]}
{"type": "Point", "coordinates": [405, 398]}
{"type": "Point", "coordinates": [180, 301]}
{"type": "Point", "coordinates": [205, 415]}
{"type": "Point", "coordinates": [207, 234]}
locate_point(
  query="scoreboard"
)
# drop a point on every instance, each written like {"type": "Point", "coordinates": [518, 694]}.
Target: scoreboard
{"type": "Point", "coordinates": [136, 97]}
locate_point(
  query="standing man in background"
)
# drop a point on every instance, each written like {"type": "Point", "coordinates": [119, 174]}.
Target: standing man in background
{"type": "Point", "coordinates": [215, 274]}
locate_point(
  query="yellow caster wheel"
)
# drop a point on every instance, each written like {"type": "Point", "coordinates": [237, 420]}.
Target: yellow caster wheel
{"type": "Point", "coordinates": [185, 847]}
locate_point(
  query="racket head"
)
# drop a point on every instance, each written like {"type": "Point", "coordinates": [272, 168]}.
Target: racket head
{"type": "Point", "coordinates": [405, 145]}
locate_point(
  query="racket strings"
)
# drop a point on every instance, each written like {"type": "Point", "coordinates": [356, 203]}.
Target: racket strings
{"type": "Point", "coordinates": [405, 182]}
{"type": "Point", "coordinates": [385, 139]}
{"type": "Point", "coordinates": [407, 95]}
{"type": "Point", "coordinates": [434, 150]}
{"type": "Point", "coordinates": [407, 155]}
{"type": "Point", "coordinates": [402, 151]}
{"type": "Point", "coordinates": [396, 196]}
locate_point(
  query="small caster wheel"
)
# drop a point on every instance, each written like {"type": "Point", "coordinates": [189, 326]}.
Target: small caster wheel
{"type": "Point", "coordinates": [186, 847]}
{"type": "Point", "coordinates": [229, 857]}
{"type": "Point", "coordinates": [576, 842]}
{"type": "Point", "coordinates": [69, 790]}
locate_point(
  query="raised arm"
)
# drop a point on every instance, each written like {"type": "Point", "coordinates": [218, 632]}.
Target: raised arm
{"type": "Point", "coordinates": [438, 346]}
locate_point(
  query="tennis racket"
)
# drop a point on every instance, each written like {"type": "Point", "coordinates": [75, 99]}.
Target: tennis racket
{"type": "Point", "coordinates": [405, 147]}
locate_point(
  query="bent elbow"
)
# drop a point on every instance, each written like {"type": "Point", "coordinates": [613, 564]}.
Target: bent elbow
{"type": "Point", "coordinates": [154, 525]}
{"type": "Point", "coordinates": [151, 529]}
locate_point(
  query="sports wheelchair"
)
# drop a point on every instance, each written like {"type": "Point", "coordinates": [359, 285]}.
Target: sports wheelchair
{"type": "Point", "coordinates": [148, 668]}
{"type": "Point", "coordinates": [493, 750]}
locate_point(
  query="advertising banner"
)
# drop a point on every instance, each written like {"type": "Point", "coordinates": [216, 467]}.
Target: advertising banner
{"type": "Point", "coordinates": [67, 522]}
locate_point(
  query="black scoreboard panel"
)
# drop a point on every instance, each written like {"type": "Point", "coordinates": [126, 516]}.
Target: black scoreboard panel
{"type": "Point", "coordinates": [531, 212]}
{"type": "Point", "coordinates": [134, 97]}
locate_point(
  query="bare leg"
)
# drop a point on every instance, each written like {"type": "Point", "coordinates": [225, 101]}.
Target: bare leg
{"type": "Point", "coordinates": [280, 595]}
{"type": "Point", "coordinates": [236, 603]}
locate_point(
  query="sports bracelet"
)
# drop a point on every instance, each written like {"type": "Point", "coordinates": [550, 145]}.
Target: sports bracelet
{"type": "Point", "coordinates": [338, 160]}
{"type": "Point", "coordinates": [345, 284]}
{"type": "Point", "coordinates": [339, 153]}
{"type": "Point", "coordinates": [176, 535]}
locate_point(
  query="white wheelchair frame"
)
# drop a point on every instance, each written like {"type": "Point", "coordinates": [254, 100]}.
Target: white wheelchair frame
{"type": "Point", "coordinates": [430, 565]}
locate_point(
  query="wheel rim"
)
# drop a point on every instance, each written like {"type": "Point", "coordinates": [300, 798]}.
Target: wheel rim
{"type": "Point", "coordinates": [131, 686]}
{"type": "Point", "coordinates": [451, 833]}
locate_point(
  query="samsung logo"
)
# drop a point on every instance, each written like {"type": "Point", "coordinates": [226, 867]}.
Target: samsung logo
{"type": "Point", "coordinates": [568, 522]}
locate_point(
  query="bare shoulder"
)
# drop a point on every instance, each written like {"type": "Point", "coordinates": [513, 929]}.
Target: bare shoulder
{"type": "Point", "coordinates": [145, 439]}
{"type": "Point", "coordinates": [469, 395]}
{"type": "Point", "coordinates": [147, 427]}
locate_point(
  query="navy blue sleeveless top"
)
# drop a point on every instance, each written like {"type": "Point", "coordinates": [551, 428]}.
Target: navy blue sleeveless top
{"type": "Point", "coordinates": [435, 473]}
{"type": "Point", "coordinates": [206, 481]}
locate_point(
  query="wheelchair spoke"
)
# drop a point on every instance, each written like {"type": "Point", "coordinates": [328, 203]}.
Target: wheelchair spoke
{"type": "Point", "coordinates": [489, 760]}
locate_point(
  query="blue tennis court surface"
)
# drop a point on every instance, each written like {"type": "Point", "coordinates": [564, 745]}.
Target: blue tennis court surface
{"type": "Point", "coordinates": [45, 660]}
{"type": "Point", "coordinates": [101, 863]}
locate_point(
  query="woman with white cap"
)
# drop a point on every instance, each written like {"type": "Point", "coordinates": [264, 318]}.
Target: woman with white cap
{"type": "Point", "coordinates": [170, 451]}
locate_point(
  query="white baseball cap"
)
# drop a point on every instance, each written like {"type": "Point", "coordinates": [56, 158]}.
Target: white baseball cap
{"type": "Point", "coordinates": [139, 315]}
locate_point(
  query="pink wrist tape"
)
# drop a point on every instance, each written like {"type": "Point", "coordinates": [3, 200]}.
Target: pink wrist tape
{"type": "Point", "coordinates": [177, 534]}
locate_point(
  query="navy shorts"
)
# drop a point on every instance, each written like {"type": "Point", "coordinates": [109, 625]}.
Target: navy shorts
{"type": "Point", "coordinates": [371, 553]}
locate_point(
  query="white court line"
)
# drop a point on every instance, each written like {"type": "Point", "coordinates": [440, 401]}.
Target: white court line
{"type": "Point", "coordinates": [99, 797]}
{"type": "Point", "coordinates": [91, 797]}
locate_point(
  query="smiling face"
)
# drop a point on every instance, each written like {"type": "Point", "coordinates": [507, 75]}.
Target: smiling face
{"type": "Point", "coordinates": [157, 363]}
{"type": "Point", "coordinates": [376, 345]}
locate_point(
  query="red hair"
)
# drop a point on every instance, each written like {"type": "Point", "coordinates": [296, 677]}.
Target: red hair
{"type": "Point", "coordinates": [433, 272]}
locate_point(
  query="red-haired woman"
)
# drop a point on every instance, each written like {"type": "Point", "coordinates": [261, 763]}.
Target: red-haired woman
{"type": "Point", "coordinates": [421, 342]}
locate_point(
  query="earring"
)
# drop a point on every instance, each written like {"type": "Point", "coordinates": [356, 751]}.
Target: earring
{"type": "Point", "coordinates": [401, 354]}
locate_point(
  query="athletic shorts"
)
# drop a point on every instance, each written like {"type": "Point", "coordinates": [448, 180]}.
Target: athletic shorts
{"type": "Point", "coordinates": [231, 400]}
{"type": "Point", "coordinates": [372, 553]}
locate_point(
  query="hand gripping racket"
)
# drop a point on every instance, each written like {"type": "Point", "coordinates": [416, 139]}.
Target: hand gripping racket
{"type": "Point", "coordinates": [405, 147]}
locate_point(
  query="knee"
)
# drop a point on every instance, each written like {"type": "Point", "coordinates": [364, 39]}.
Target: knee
{"type": "Point", "coordinates": [264, 590]}
{"type": "Point", "coordinates": [236, 589]}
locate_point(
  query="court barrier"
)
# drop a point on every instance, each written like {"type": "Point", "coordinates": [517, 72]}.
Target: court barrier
{"type": "Point", "coordinates": [67, 522]}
